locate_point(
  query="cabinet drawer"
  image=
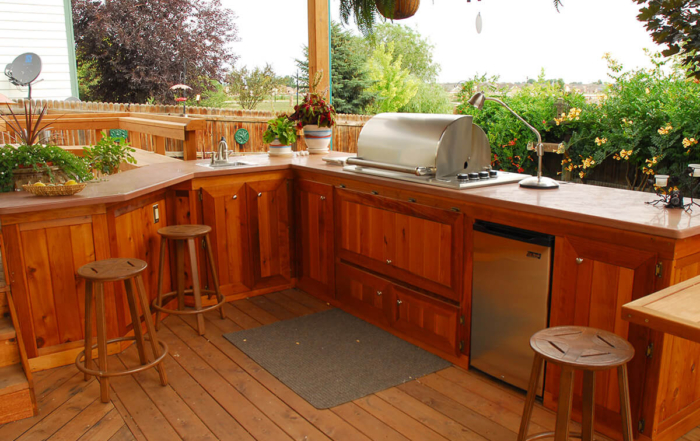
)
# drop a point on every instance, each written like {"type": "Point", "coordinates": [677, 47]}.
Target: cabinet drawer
{"type": "Point", "coordinates": [363, 294]}
{"type": "Point", "coordinates": [425, 319]}
{"type": "Point", "coordinates": [418, 244]}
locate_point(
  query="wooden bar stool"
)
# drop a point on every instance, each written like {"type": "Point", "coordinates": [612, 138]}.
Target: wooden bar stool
{"type": "Point", "coordinates": [578, 348]}
{"type": "Point", "coordinates": [114, 270]}
{"type": "Point", "coordinates": [181, 234]}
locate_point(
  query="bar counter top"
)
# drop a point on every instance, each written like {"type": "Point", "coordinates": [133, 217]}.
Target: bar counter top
{"type": "Point", "coordinates": [616, 208]}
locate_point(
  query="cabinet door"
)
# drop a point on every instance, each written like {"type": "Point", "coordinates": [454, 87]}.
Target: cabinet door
{"type": "Point", "coordinates": [426, 319]}
{"type": "Point", "coordinates": [314, 238]}
{"type": "Point", "coordinates": [417, 244]}
{"type": "Point", "coordinates": [592, 280]}
{"type": "Point", "coordinates": [268, 219]}
{"type": "Point", "coordinates": [225, 212]}
{"type": "Point", "coordinates": [365, 295]}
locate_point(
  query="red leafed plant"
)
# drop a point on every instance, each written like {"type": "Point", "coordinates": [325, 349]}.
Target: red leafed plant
{"type": "Point", "coordinates": [314, 109]}
{"type": "Point", "coordinates": [29, 135]}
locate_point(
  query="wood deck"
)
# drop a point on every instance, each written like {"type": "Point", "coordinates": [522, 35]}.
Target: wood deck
{"type": "Point", "coordinates": [217, 392]}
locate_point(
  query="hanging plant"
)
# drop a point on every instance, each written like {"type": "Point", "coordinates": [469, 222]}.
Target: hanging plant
{"type": "Point", "coordinates": [397, 9]}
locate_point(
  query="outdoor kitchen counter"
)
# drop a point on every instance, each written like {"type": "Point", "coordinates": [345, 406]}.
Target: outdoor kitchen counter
{"type": "Point", "coordinates": [614, 208]}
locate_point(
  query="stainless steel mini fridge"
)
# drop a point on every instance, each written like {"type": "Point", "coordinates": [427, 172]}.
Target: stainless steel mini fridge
{"type": "Point", "coordinates": [510, 299]}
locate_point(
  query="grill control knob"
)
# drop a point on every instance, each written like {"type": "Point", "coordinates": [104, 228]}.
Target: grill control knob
{"type": "Point", "coordinates": [493, 173]}
{"type": "Point", "coordinates": [484, 175]}
{"type": "Point", "coordinates": [463, 176]}
{"type": "Point", "coordinates": [474, 176]}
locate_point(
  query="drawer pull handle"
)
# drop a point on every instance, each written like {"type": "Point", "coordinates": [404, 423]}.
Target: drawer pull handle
{"type": "Point", "coordinates": [379, 293]}
{"type": "Point", "coordinates": [259, 195]}
{"type": "Point", "coordinates": [235, 196]}
{"type": "Point", "coordinates": [388, 261]}
{"type": "Point", "coordinates": [579, 261]}
{"type": "Point", "coordinates": [398, 302]}
{"type": "Point", "coordinates": [323, 198]}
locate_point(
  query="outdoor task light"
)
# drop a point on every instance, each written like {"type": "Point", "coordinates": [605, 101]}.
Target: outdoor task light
{"type": "Point", "coordinates": [538, 181]}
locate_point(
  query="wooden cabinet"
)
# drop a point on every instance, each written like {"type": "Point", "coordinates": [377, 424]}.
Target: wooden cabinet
{"type": "Point", "coordinates": [592, 280]}
{"type": "Point", "coordinates": [225, 210]}
{"type": "Point", "coordinates": [314, 238]}
{"type": "Point", "coordinates": [365, 295]}
{"type": "Point", "coordinates": [269, 222]}
{"type": "Point", "coordinates": [426, 319]}
{"type": "Point", "coordinates": [418, 244]}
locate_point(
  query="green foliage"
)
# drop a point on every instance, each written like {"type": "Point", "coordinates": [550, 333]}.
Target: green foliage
{"type": "Point", "coordinates": [536, 103]}
{"type": "Point", "coordinates": [351, 82]}
{"type": "Point", "coordinates": [675, 24]}
{"type": "Point", "coordinates": [106, 156]}
{"type": "Point", "coordinates": [416, 52]}
{"type": "Point", "coordinates": [251, 87]}
{"type": "Point", "coordinates": [37, 157]}
{"type": "Point", "coordinates": [281, 128]}
{"type": "Point", "coordinates": [430, 98]}
{"type": "Point", "coordinates": [393, 84]}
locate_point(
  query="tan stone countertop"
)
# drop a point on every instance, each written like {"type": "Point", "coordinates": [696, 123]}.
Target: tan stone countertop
{"type": "Point", "coordinates": [616, 208]}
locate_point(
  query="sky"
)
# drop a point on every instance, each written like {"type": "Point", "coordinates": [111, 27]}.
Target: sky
{"type": "Point", "coordinates": [519, 37]}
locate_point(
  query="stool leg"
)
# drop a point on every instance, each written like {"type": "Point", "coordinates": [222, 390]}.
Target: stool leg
{"type": "Point", "coordinates": [101, 319]}
{"type": "Point", "coordinates": [566, 393]}
{"type": "Point", "coordinates": [196, 287]}
{"type": "Point", "coordinates": [219, 296]}
{"type": "Point", "coordinates": [161, 274]}
{"type": "Point", "coordinates": [88, 326]}
{"type": "Point", "coordinates": [141, 289]}
{"type": "Point", "coordinates": [625, 410]}
{"type": "Point", "coordinates": [135, 320]}
{"type": "Point", "coordinates": [180, 257]}
{"type": "Point", "coordinates": [588, 406]}
{"type": "Point", "coordinates": [531, 394]}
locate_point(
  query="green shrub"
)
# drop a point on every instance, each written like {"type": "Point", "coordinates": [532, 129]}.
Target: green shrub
{"type": "Point", "coordinates": [107, 154]}
{"type": "Point", "coordinates": [37, 157]}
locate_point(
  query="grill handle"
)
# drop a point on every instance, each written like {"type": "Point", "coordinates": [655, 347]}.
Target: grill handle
{"type": "Point", "coordinates": [418, 171]}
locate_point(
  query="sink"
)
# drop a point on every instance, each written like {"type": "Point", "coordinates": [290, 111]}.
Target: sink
{"type": "Point", "coordinates": [230, 164]}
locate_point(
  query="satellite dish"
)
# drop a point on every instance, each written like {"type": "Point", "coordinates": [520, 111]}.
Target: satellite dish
{"type": "Point", "coordinates": [24, 70]}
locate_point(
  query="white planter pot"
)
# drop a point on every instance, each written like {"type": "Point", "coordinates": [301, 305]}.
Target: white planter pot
{"type": "Point", "coordinates": [317, 138]}
{"type": "Point", "coordinates": [277, 149]}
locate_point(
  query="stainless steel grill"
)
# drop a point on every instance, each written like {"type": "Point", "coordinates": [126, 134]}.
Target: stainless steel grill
{"type": "Point", "coordinates": [444, 150]}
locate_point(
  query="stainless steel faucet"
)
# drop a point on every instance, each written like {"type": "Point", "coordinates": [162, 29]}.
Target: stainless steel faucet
{"type": "Point", "coordinates": [221, 155]}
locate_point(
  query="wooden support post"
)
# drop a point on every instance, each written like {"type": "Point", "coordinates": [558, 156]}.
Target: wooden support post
{"type": "Point", "coordinates": [160, 145]}
{"type": "Point", "coordinates": [318, 42]}
{"type": "Point", "coordinates": [190, 145]}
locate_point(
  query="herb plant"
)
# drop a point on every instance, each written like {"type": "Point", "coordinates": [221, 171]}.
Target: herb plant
{"type": "Point", "coordinates": [109, 152]}
{"type": "Point", "coordinates": [281, 128]}
{"type": "Point", "coordinates": [38, 157]}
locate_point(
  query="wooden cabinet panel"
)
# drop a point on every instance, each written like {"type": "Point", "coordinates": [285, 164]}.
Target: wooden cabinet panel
{"type": "Point", "coordinates": [426, 319]}
{"type": "Point", "coordinates": [592, 280]}
{"type": "Point", "coordinates": [269, 231]}
{"type": "Point", "coordinates": [365, 295]}
{"type": "Point", "coordinates": [314, 238]}
{"type": "Point", "coordinates": [418, 244]}
{"type": "Point", "coordinates": [225, 211]}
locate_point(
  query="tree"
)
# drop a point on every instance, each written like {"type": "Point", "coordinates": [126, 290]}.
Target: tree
{"type": "Point", "coordinates": [415, 50]}
{"type": "Point", "coordinates": [136, 49]}
{"type": "Point", "coordinates": [350, 77]}
{"type": "Point", "coordinates": [251, 87]}
{"type": "Point", "coordinates": [675, 23]}
{"type": "Point", "coordinates": [430, 98]}
{"type": "Point", "coordinates": [393, 84]}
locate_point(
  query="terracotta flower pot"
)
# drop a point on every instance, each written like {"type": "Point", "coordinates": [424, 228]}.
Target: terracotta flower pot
{"type": "Point", "coordinates": [278, 149]}
{"type": "Point", "coordinates": [402, 9]}
{"type": "Point", "coordinates": [317, 138]}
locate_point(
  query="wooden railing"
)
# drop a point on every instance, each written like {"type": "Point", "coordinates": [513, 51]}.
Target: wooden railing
{"type": "Point", "coordinates": [163, 129]}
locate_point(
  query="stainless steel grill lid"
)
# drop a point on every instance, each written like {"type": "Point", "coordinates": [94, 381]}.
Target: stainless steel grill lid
{"type": "Point", "coordinates": [442, 145]}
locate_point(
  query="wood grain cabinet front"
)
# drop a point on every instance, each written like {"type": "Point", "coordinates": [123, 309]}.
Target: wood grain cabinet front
{"type": "Point", "coordinates": [592, 280]}
{"type": "Point", "coordinates": [365, 295]}
{"type": "Point", "coordinates": [418, 244]}
{"type": "Point", "coordinates": [315, 268]}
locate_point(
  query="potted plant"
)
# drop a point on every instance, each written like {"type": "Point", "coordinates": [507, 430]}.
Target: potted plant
{"type": "Point", "coordinates": [365, 11]}
{"type": "Point", "coordinates": [280, 134]}
{"type": "Point", "coordinates": [106, 156]}
{"type": "Point", "coordinates": [317, 118]}
{"type": "Point", "coordinates": [30, 161]}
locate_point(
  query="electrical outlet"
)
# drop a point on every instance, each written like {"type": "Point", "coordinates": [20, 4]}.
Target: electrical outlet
{"type": "Point", "coordinates": [156, 214]}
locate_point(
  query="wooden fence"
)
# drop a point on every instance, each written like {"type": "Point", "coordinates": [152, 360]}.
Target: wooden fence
{"type": "Point", "coordinates": [219, 123]}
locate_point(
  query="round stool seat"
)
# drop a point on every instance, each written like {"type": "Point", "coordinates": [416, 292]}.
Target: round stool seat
{"type": "Point", "coordinates": [182, 232]}
{"type": "Point", "coordinates": [111, 270]}
{"type": "Point", "coordinates": [582, 348]}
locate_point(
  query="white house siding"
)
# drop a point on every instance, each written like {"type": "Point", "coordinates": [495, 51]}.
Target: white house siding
{"type": "Point", "coordinates": [38, 26]}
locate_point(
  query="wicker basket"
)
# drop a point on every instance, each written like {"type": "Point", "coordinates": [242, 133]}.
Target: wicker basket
{"type": "Point", "coordinates": [57, 190]}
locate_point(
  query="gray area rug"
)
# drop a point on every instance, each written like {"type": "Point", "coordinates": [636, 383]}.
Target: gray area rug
{"type": "Point", "coordinates": [332, 357]}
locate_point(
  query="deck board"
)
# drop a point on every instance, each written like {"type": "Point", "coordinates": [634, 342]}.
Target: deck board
{"type": "Point", "coordinates": [218, 392]}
